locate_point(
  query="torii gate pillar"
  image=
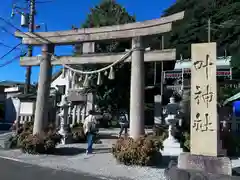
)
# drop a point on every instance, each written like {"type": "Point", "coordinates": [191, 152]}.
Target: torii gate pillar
{"type": "Point", "coordinates": [137, 89]}
{"type": "Point", "coordinates": [44, 83]}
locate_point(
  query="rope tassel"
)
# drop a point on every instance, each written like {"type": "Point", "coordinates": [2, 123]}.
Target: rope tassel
{"type": "Point", "coordinates": [105, 73]}
{"type": "Point", "coordinates": [86, 81]}
{"type": "Point", "coordinates": [80, 78]}
{"type": "Point", "coordinates": [73, 79]}
{"type": "Point", "coordinates": [70, 75]}
{"type": "Point", "coordinates": [63, 73]}
{"type": "Point", "coordinates": [99, 80]}
{"type": "Point", "coordinates": [111, 74]}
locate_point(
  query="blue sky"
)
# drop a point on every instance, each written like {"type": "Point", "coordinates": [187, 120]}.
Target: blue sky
{"type": "Point", "coordinates": [61, 15]}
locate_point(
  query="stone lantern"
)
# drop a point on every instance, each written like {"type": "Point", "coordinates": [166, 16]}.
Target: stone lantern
{"type": "Point", "coordinates": [64, 105]}
{"type": "Point", "coordinates": [171, 145]}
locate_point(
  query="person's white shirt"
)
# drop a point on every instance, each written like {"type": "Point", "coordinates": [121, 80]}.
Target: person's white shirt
{"type": "Point", "coordinates": [89, 122]}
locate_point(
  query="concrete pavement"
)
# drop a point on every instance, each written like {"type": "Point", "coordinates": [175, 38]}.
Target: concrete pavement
{"type": "Point", "coordinates": [12, 170]}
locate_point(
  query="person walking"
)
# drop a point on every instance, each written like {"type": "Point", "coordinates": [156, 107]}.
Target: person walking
{"type": "Point", "coordinates": [123, 121]}
{"type": "Point", "coordinates": [89, 126]}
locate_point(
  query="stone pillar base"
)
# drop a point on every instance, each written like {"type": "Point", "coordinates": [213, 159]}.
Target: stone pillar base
{"type": "Point", "coordinates": [207, 164]}
{"type": "Point", "coordinates": [66, 137]}
{"type": "Point", "coordinates": [171, 147]}
{"type": "Point", "coordinates": [175, 173]}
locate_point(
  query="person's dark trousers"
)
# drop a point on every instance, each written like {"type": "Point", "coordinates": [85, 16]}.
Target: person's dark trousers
{"type": "Point", "coordinates": [89, 143]}
{"type": "Point", "coordinates": [123, 127]}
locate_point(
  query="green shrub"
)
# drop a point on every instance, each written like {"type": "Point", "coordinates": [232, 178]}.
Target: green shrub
{"type": "Point", "coordinates": [13, 142]}
{"type": "Point", "coordinates": [160, 133]}
{"type": "Point", "coordinates": [144, 151]}
{"type": "Point", "coordinates": [44, 143]}
{"type": "Point", "coordinates": [78, 134]}
{"type": "Point", "coordinates": [21, 132]}
{"type": "Point", "coordinates": [21, 137]}
{"type": "Point", "coordinates": [76, 125]}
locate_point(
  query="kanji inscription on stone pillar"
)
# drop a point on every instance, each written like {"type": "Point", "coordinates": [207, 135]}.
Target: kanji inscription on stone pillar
{"type": "Point", "coordinates": [204, 125]}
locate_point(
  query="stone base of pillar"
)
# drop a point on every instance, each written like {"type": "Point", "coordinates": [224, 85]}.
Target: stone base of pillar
{"type": "Point", "coordinates": [207, 164]}
{"type": "Point", "coordinates": [66, 137]}
{"type": "Point", "coordinates": [171, 147]}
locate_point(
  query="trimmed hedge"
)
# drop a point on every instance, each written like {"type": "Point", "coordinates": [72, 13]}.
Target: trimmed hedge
{"type": "Point", "coordinates": [43, 143]}
{"type": "Point", "coordinates": [144, 152]}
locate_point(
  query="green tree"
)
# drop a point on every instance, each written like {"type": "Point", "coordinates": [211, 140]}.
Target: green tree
{"type": "Point", "coordinates": [226, 92]}
{"type": "Point", "coordinates": [112, 94]}
{"type": "Point", "coordinates": [225, 24]}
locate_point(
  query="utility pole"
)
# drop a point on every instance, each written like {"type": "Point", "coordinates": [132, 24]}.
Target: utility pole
{"type": "Point", "coordinates": [162, 82]}
{"type": "Point", "coordinates": [31, 28]}
{"type": "Point", "coordinates": [209, 30]}
{"type": "Point", "coordinates": [162, 71]}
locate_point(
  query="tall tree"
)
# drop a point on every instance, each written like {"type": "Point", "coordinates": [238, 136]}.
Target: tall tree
{"type": "Point", "coordinates": [225, 30]}
{"type": "Point", "coordinates": [225, 25]}
{"type": "Point", "coordinates": [112, 94]}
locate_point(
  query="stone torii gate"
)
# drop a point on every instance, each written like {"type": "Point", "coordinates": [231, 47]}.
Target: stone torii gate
{"type": "Point", "coordinates": [135, 31]}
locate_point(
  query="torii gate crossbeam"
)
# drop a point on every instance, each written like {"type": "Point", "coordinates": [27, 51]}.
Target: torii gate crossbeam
{"type": "Point", "coordinates": [102, 58]}
{"type": "Point", "coordinates": [135, 31]}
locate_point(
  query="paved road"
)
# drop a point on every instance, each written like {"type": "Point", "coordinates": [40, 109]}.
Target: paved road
{"type": "Point", "coordinates": [11, 170]}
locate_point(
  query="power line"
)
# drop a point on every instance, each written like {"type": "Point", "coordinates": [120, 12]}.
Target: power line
{"type": "Point", "coordinates": [13, 26]}
{"type": "Point", "coordinates": [10, 61]}
{"type": "Point", "coordinates": [26, 1]}
{"type": "Point", "coordinates": [5, 30]}
{"type": "Point", "coordinates": [41, 2]}
{"type": "Point", "coordinates": [14, 48]}
{"type": "Point", "coordinates": [9, 23]}
{"type": "Point", "coordinates": [16, 28]}
{"type": "Point", "coordinates": [31, 26]}
{"type": "Point", "coordinates": [7, 46]}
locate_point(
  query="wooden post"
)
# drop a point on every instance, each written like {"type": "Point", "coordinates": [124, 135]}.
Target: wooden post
{"type": "Point", "coordinates": [43, 88]}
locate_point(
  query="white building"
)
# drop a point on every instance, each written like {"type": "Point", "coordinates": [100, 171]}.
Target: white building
{"type": "Point", "coordinates": [183, 67]}
{"type": "Point", "coordinates": [66, 84]}
{"type": "Point", "coordinates": [22, 106]}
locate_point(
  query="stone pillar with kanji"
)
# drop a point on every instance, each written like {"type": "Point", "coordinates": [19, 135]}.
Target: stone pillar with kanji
{"type": "Point", "coordinates": [206, 153]}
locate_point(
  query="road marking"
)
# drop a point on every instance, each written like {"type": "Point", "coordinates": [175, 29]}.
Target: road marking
{"type": "Point", "coordinates": [12, 159]}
